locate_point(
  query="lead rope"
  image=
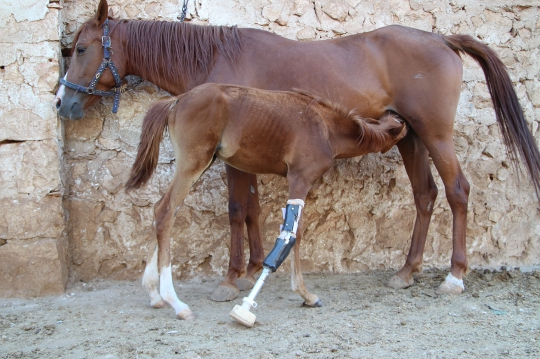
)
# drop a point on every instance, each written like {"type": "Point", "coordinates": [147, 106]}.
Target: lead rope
{"type": "Point", "coordinates": [184, 11]}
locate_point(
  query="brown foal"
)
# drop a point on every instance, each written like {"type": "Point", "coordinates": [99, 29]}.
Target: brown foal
{"type": "Point", "coordinates": [410, 72]}
{"type": "Point", "coordinates": [291, 134]}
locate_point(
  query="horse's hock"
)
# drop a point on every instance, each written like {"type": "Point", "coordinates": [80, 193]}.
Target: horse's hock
{"type": "Point", "coordinates": [62, 204]}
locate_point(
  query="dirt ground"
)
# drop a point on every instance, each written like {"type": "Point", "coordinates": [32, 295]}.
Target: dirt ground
{"type": "Point", "coordinates": [497, 317]}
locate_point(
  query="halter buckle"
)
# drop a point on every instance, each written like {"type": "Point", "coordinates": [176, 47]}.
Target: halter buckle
{"type": "Point", "coordinates": [106, 41]}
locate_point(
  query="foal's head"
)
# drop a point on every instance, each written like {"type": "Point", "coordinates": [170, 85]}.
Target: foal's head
{"type": "Point", "coordinates": [382, 134]}
{"type": "Point", "coordinates": [373, 135]}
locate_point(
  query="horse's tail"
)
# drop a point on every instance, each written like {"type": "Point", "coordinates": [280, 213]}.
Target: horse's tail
{"type": "Point", "coordinates": [154, 124]}
{"type": "Point", "coordinates": [516, 134]}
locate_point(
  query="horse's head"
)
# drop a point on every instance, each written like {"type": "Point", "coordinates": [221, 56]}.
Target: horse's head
{"type": "Point", "coordinates": [91, 74]}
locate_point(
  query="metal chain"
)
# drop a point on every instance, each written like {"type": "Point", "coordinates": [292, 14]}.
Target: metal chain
{"type": "Point", "coordinates": [184, 11]}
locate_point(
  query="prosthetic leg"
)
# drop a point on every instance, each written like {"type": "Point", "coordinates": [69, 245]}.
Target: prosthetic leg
{"type": "Point", "coordinates": [282, 248]}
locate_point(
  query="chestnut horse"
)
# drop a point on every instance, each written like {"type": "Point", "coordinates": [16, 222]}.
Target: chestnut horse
{"type": "Point", "coordinates": [294, 135]}
{"type": "Point", "coordinates": [410, 72]}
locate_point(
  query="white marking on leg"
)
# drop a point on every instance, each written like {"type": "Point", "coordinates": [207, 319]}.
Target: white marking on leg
{"type": "Point", "coordinates": [166, 289]}
{"type": "Point", "coordinates": [294, 284]}
{"type": "Point", "coordinates": [60, 93]}
{"type": "Point", "coordinates": [151, 280]}
{"type": "Point", "coordinates": [450, 279]}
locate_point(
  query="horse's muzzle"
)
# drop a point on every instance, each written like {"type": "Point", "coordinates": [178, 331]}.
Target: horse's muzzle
{"type": "Point", "coordinates": [71, 108]}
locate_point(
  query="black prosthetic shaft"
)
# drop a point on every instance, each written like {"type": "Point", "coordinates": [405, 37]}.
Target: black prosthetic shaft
{"type": "Point", "coordinates": [278, 254]}
{"type": "Point", "coordinates": [283, 246]}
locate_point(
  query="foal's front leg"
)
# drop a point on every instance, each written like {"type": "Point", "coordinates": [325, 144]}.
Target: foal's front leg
{"type": "Point", "coordinates": [297, 281]}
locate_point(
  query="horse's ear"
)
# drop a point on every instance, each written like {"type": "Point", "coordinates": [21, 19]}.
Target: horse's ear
{"type": "Point", "coordinates": [111, 13]}
{"type": "Point", "coordinates": [102, 12]}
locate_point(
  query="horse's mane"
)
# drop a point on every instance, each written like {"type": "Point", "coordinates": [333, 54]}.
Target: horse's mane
{"type": "Point", "coordinates": [176, 49]}
{"type": "Point", "coordinates": [179, 49]}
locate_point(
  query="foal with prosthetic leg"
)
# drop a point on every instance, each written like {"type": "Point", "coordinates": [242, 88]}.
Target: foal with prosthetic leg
{"type": "Point", "coordinates": [292, 134]}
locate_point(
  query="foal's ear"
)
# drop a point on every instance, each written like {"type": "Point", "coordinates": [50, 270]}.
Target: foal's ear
{"type": "Point", "coordinates": [102, 12]}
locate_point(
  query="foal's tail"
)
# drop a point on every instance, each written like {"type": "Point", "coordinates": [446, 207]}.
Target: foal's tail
{"type": "Point", "coordinates": [154, 124]}
{"type": "Point", "coordinates": [516, 134]}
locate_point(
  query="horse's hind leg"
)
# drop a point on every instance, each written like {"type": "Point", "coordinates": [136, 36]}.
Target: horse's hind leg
{"type": "Point", "coordinates": [415, 159]}
{"type": "Point", "coordinates": [243, 208]}
{"type": "Point", "coordinates": [457, 193]}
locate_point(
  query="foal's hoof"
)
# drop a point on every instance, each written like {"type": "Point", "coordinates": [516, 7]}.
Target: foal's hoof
{"type": "Point", "coordinates": [245, 283]}
{"type": "Point", "coordinates": [224, 294]}
{"type": "Point", "coordinates": [318, 303]}
{"type": "Point", "coordinates": [397, 282]}
{"type": "Point", "coordinates": [186, 314]}
{"type": "Point", "coordinates": [158, 304]}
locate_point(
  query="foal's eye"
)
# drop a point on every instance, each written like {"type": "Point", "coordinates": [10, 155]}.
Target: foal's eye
{"type": "Point", "coordinates": [80, 50]}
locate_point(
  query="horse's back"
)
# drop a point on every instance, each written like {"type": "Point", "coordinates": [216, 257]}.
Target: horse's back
{"type": "Point", "coordinates": [386, 69]}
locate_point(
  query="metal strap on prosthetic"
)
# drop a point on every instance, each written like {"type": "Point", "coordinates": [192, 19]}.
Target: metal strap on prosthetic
{"type": "Point", "coordinates": [284, 243]}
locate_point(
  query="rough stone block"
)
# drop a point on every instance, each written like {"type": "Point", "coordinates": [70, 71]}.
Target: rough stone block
{"type": "Point", "coordinates": [26, 218]}
{"type": "Point", "coordinates": [32, 268]}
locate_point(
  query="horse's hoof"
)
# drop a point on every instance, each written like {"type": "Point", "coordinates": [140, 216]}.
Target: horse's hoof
{"type": "Point", "coordinates": [245, 283]}
{"type": "Point", "coordinates": [397, 282]}
{"type": "Point", "coordinates": [451, 285]}
{"type": "Point", "coordinates": [318, 303]}
{"type": "Point", "coordinates": [158, 305]}
{"type": "Point", "coordinates": [186, 314]}
{"type": "Point", "coordinates": [224, 294]}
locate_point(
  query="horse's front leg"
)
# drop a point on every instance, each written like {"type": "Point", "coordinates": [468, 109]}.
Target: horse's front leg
{"type": "Point", "coordinates": [243, 208]}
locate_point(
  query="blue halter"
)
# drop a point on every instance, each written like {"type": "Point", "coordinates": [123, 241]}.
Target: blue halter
{"type": "Point", "coordinates": [107, 62]}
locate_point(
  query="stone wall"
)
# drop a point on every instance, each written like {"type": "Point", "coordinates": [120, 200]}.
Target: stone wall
{"type": "Point", "coordinates": [33, 245]}
{"type": "Point", "coordinates": [361, 213]}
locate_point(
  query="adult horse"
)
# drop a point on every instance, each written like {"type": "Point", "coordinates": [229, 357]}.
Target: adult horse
{"type": "Point", "coordinates": [411, 72]}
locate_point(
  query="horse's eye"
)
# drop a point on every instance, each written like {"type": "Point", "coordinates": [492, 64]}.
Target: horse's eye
{"type": "Point", "coordinates": [80, 50]}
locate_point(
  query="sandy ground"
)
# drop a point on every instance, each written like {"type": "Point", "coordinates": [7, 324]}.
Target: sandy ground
{"type": "Point", "coordinates": [497, 317]}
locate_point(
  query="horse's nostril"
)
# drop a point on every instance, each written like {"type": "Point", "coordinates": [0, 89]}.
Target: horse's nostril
{"type": "Point", "coordinates": [58, 103]}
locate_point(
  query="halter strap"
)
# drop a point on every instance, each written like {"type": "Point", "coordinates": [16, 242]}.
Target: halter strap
{"type": "Point", "coordinates": [106, 63]}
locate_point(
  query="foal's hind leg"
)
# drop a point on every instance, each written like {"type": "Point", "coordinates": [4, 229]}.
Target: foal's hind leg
{"type": "Point", "coordinates": [187, 173]}
{"type": "Point", "coordinates": [151, 280]}
{"type": "Point", "coordinates": [415, 158]}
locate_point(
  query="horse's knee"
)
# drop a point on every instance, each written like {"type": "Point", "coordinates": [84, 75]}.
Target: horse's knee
{"type": "Point", "coordinates": [237, 213]}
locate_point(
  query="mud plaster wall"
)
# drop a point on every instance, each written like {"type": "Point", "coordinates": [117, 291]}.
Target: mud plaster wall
{"type": "Point", "coordinates": [33, 244]}
{"type": "Point", "coordinates": [361, 213]}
